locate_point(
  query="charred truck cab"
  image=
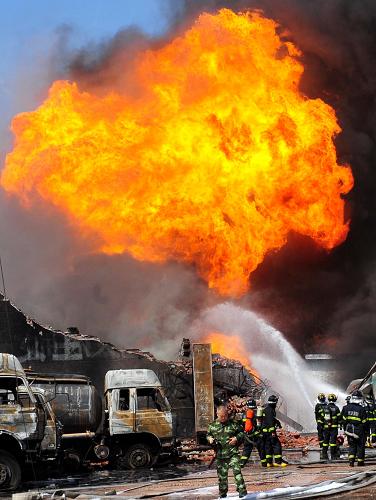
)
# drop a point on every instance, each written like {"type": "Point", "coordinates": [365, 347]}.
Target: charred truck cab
{"type": "Point", "coordinates": [28, 431]}
{"type": "Point", "coordinates": [138, 418]}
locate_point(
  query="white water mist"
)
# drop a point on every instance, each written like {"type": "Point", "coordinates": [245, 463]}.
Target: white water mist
{"type": "Point", "coordinates": [272, 356]}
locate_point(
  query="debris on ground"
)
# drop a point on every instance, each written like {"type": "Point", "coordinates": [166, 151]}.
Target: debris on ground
{"type": "Point", "coordinates": [296, 440]}
{"type": "Point", "coordinates": [193, 453]}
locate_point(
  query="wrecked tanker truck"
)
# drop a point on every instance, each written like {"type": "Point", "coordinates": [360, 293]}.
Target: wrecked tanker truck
{"type": "Point", "coordinates": [60, 420]}
{"type": "Point", "coordinates": [29, 432]}
{"type": "Point", "coordinates": [131, 429]}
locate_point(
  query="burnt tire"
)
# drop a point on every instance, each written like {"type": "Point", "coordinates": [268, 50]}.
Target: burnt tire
{"type": "Point", "coordinates": [10, 472]}
{"type": "Point", "coordinates": [138, 456]}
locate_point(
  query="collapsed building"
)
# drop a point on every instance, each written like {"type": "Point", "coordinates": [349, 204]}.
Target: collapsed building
{"type": "Point", "coordinates": [42, 349]}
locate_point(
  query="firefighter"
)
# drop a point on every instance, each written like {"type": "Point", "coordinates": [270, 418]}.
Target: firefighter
{"type": "Point", "coordinates": [270, 423]}
{"type": "Point", "coordinates": [321, 403]}
{"type": "Point", "coordinates": [332, 419]}
{"type": "Point", "coordinates": [261, 449]}
{"type": "Point", "coordinates": [226, 435]}
{"type": "Point", "coordinates": [354, 421]}
{"type": "Point", "coordinates": [371, 415]}
{"type": "Point", "coordinates": [253, 434]}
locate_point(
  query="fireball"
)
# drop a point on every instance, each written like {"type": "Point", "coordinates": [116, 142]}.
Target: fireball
{"type": "Point", "coordinates": [213, 160]}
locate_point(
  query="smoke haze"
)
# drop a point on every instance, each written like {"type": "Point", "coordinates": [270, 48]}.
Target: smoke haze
{"type": "Point", "coordinates": [322, 302]}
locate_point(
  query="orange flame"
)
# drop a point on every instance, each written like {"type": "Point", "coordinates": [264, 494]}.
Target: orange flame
{"type": "Point", "coordinates": [213, 160]}
{"type": "Point", "coordinates": [230, 346]}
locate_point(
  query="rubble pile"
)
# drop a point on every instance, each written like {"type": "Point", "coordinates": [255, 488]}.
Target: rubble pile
{"type": "Point", "coordinates": [237, 406]}
{"type": "Point", "coordinates": [296, 440]}
{"type": "Point", "coordinates": [193, 453]}
{"type": "Point", "coordinates": [184, 364]}
{"type": "Point", "coordinates": [219, 360]}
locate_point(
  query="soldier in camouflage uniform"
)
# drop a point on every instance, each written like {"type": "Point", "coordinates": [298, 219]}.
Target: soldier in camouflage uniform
{"type": "Point", "coordinates": [226, 435]}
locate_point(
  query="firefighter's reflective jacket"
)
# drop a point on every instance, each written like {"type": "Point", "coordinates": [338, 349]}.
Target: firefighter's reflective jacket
{"type": "Point", "coordinates": [331, 416]}
{"type": "Point", "coordinates": [371, 416]}
{"type": "Point", "coordinates": [269, 420]}
{"type": "Point", "coordinates": [319, 415]}
{"type": "Point", "coordinates": [354, 418]}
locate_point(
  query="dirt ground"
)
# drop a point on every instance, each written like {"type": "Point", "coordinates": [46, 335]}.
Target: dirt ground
{"type": "Point", "coordinates": [203, 483]}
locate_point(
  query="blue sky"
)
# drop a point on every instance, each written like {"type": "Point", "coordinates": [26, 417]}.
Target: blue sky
{"type": "Point", "coordinates": [29, 29]}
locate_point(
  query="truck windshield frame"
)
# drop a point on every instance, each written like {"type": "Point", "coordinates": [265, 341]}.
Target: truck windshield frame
{"type": "Point", "coordinates": [9, 394]}
{"type": "Point", "coordinates": [151, 398]}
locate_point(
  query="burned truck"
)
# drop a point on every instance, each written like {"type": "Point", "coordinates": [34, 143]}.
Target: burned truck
{"type": "Point", "coordinates": [130, 428]}
{"type": "Point", "coordinates": [29, 432]}
{"type": "Point", "coordinates": [77, 405]}
{"type": "Point", "coordinates": [60, 420]}
{"type": "Point", "coordinates": [138, 418]}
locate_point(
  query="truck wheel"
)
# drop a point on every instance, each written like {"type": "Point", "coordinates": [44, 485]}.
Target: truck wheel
{"type": "Point", "coordinates": [10, 471]}
{"type": "Point", "coordinates": [72, 460]}
{"type": "Point", "coordinates": [138, 456]}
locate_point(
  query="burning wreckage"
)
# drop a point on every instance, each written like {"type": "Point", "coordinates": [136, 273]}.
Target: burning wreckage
{"type": "Point", "coordinates": [70, 399]}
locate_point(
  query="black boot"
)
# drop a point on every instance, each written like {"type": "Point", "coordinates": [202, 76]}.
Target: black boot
{"type": "Point", "coordinates": [351, 463]}
{"type": "Point", "coordinates": [324, 454]}
{"type": "Point", "coordinates": [334, 454]}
